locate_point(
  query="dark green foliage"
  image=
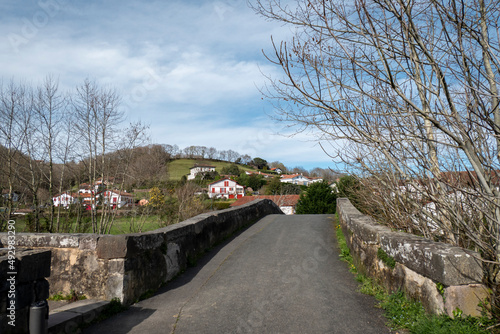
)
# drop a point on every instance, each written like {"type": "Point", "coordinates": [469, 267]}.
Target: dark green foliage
{"type": "Point", "coordinates": [291, 189]}
{"type": "Point", "coordinates": [231, 170]}
{"type": "Point", "coordinates": [253, 181]}
{"type": "Point", "coordinates": [345, 253]}
{"type": "Point", "coordinates": [204, 178]}
{"type": "Point", "coordinates": [388, 260]}
{"type": "Point", "coordinates": [221, 205]}
{"type": "Point", "coordinates": [402, 312]}
{"type": "Point", "coordinates": [318, 199]}
{"type": "Point", "coordinates": [443, 324]}
{"type": "Point", "coordinates": [348, 186]}
{"type": "Point", "coordinates": [276, 187]}
{"type": "Point", "coordinates": [259, 163]}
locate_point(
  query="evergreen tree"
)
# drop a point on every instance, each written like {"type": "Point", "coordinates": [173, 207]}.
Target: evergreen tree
{"type": "Point", "coordinates": [318, 199]}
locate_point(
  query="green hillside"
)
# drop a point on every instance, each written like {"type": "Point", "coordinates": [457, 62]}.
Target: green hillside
{"type": "Point", "coordinates": [179, 167]}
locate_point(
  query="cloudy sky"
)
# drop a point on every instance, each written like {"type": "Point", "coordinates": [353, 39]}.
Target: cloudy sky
{"type": "Point", "coordinates": [189, 69]}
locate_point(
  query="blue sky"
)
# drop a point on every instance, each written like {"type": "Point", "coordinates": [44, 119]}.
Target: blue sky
{"type": "Point", "coordinates": [189, 69]}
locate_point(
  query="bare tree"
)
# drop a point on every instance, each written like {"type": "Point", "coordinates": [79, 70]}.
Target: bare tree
{"type": "Point", "coordinates": [172, 150]}
{"type": "Point", "coordinates": [232, 156]}
{"type": "Point", "coordinates": [98, 118]}
{"type": "Point", "coordinates": [33, 157]}
{"type": "Point", "coordinates": [212, 153]}
{"type": "Point", "coordinates": [246, 159]}
{"type": "Point", "coordinates": [406, 92]}
{"type": "Point", "coordinates": [223, 155]}
{"type": "Point", "coordinates": [11, 137]}
{"type": "Point", "coordinates": [49, 106]}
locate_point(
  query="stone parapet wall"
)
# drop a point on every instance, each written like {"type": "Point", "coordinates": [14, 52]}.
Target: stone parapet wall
{"type": "Point", "coordinates": [129, 265]}
{"type": "Point", "coordinates": [439, 275]}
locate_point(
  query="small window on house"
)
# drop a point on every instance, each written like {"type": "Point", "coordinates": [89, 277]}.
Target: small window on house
{"type": "Point", "coordinates": [226, 183]}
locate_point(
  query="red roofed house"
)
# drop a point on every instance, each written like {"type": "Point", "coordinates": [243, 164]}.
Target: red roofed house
{"type": "Point", "coordinates": [286, 203]}
{"type": "Point", "coordinates": [226, 188]}
{"type": "Point", "coordinates": [299, 179]}
{"type": "Point", "coordinates": [118, 198]}
{"type": "Point", "coordinates": [65, 199]}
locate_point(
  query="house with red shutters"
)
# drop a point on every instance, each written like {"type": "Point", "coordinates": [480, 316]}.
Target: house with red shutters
{"type": "Point", "coordinates": [225, 188]}
{"type": "Point", "coordinates": [65, 199]}
{"type": "Point", "coordinates": [116, 198]}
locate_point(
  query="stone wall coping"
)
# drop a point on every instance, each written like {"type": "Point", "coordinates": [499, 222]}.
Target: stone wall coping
{"type": "Point", "coordinates": [438, 261]}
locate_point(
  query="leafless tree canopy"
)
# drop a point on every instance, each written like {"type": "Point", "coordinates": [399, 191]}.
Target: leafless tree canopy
{"type": "Point", "coordinates": [43, 130]}
{"type": "Point", "coordinates": [406, 93]}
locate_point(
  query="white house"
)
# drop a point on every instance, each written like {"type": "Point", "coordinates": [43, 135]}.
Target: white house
{"type": "Point", "coordinates": [298, 179]}
{"type": "Point", "coordinates": [65, 199]}
{"type": "Point", "coordinates": [226, 188]}
{"type": "Point", "coordinates": [118, 198]}
{"type": "Point", "coordinates": [197, 169]}
{"type": "Point", "coordinates": [277, 170]}
{"type": "Point", "coordinates": [315, 179]}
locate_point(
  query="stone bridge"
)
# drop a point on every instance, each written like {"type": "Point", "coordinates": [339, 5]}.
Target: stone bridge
{"type": "Point", "coordinates": [290, 272]}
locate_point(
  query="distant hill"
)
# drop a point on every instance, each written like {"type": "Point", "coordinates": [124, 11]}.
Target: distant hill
{"type": "Point", "coordinates": [179, 167]}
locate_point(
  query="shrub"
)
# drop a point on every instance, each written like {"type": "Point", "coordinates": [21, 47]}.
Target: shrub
{"type": "Point", "coordinates": [318, 199]}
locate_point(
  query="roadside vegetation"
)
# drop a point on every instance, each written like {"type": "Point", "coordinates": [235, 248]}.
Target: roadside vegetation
{"type": "Point", "coordinates": [405, 314]}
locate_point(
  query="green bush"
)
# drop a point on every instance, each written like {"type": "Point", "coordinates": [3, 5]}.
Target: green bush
{"type": "Point", "coordinates": [318, 199]}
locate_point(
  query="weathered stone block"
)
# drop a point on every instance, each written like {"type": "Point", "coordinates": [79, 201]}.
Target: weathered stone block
{"type": "Point", "coordinates": [88, 242]}
{"type": "Point", "coordinates": [116, 266]}
{"type": "Point", "coordinates": [440, 262]}
{"type": "Point", "coordinates": [114, 286]}
{"type": "Point", "coordinates": [172, 261]}
{"type": "Point", "coordinates": [466, 298]}
{"type": "Point", "coordinates": [112, 246]}
{"type": "Point", "coordinates": [82, 271]}
{"type": "Point", "coordinates": [422, 288]}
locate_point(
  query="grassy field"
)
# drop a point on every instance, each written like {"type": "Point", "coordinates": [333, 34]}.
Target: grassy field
{"type": "Point", "coordinates": [121, 225]}
{"type": "Point", "coordinates": [179, 167]}
{"type": "Point", "coordinates": [124, 225]}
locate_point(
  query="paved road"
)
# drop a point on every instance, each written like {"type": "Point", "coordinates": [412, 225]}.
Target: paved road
{"type": "Point", "coordinates": [282, 275]}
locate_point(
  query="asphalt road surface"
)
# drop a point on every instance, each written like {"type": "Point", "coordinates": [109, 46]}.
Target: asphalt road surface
{"type": "Point", "coordinates": [281, 275]}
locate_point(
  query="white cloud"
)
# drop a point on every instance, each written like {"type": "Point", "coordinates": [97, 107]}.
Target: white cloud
{"type": "Point", "coordinates": [190, 69]}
